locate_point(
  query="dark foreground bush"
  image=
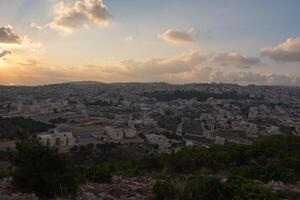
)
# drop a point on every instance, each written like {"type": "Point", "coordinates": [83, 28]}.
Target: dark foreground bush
{"type": "Point", "coordinates": [164, 190]}
{"type": "Point", "coordinates": [43, 170]}
{"type": "Point", "coordinates": [210, 188]}
{"type": "Point", "coordinates": [240, 188]}
{"type": "Point", "coordinates": [204, 188]}
{"type": "Point", "coordinates": [95, 174]}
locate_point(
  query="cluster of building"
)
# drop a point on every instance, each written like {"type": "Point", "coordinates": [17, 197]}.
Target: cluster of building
{"type": "Point", "coordinates": [133, 114]}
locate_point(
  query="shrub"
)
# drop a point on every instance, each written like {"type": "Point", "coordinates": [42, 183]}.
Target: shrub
{"type": "Point", "coordinates": [243, 189]}
{"type": "Point", "coordinates": [204, 188]}
{"type": "Point", "coordinates": [43, 170]}
{"type": "Point", "coordinates": [97, 174]}
{"type": "Point", "coordinates": [164, 190]}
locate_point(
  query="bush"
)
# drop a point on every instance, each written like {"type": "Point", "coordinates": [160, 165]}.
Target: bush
{"type": "Point", "coordinates": [10, 128]}
{"type": "Point", "coordinates": [4, 173]}
{"type": "Point", "coordinates": [43, 170]}
{"type": "Point", "coordinates": [267, 173]}
{"type": "Point", "coordinates": [97, 174]}
{"type": "Point", "coordinates": [243, 189]}
{"type": "Point", "coordinates": [152, 163]}
{"type": "Point", "coordinates": [204, 188]}
{"type": "Point", "coordinates": [236, 188]}
{"type": "Point", "coordinates": [164, 190]}
{"type": "Point", "coordinates": [287, 195]}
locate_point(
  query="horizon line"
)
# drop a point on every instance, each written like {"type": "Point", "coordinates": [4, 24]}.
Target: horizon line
{"type": "Point", "coordinates": [86, 82]}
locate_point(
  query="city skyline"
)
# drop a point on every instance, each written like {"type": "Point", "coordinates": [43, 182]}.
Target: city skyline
{"type": "Point", "coordinates": [244, 42]}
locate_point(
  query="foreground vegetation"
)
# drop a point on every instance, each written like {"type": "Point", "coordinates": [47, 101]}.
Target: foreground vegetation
{"type": "Point", "coordinates": [12, 128]}
{"type": "Point", "coordinates": [220, 172]}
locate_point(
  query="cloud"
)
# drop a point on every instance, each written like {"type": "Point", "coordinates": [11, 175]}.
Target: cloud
{"type": "Point", "coordinates": [4, 53]}
{"type": "Point", "coordinates": [8, 36]}
{"type": "Point", "coordinates": [258, 78]}
{"type": "Point", "coordinates": [288, 51]}
{"type": "Point", "coordinates": [210, 74]}
{"type": "Point", "coordinates": [29, 62]}
{"type": "Point", "coordinates": [233, 59]}
{"type": "Point", "coordinates": [184, 68]}
{"type": "Point", "coordinates": [185, 62]}
{"type": "Point", "coordinates": [175, 36]}
{"type": "Point", "coordinates": [21, 46]}
{"type": "Point", "coordinates": [156, 66]}
{"type": "Point", "coordinates": [81, 13]}
{"type": "Point", "coordinates": [35, 26]}
{"type": "Point", "coordinates": [194, 67]}
{"type": "Point", "coordinates": [174, 68]}
{"type": "Point", "coordinates": [129, 39]}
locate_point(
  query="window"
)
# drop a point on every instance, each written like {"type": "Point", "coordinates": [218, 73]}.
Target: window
{"type": "Point", "coordinates": [57, 141]}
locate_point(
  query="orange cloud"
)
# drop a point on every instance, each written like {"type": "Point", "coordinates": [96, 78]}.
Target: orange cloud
{"type": "Point", "coordinates": [176, 36]}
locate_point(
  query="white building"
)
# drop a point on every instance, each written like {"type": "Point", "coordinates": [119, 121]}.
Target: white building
{"type": "Point", "coordinates": [273, 130]}
{"type": "Point", "coordinates": [60, 139]}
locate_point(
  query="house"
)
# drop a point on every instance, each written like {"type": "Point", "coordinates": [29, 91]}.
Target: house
{"type": "Point", "coordinates": [273, 130]}
{"type": "Point", "coordinates": [162, 141]}
{"type": "Point", "coordinates": [129, 132]}
{"type": "Point", "coordinates": [114, 133]}
{"type": "Point", "coordinates": [220, 140]}
{"type": "Point", "coordinates": [253, 113]}
{"type": "Point", "coordinates": [62, 140]}
{"type": "Point", "coordinates": [250, 128]}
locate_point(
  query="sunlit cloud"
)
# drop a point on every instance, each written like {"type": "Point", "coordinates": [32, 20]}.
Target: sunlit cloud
{"type": "Point", "coordinates": [29, 62]}
{"type": "Point", "coordinates": [185, 68]}
{"type": "Point", "coordinates": [16, 47]}
{"type": "Point", "coordinates": [190, 59]}
{"type": "Point", "coordinates": [4, 53]}
{"type": "Point", "coordinates": [176, 36]}
{"type": "Point", "coordinates": [232, 59]}
{"type": "Point", "coordinates": [36, 26]}
{"type": "Point", "coordinates": [183, 65]}
{"type": "Point", "coordinates": [81, 13]}
{"type": "Point", "coordinates": [129, 39]}
{"type": "Point", "coordinates": [10, 39]}
{"type": "Point", "coordinates": [8, 35]}
{"type": "Point", "coordinates": [288, 51]}
{"type": "Point", "coordinates": [210, 74]}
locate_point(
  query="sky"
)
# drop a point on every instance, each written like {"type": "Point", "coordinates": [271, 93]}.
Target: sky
{"type": "Point", "coordinates": [176, 41]}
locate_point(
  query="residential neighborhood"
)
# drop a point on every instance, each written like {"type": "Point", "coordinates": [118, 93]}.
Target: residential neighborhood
{"type": "Point", "coordinates": [205, 114]}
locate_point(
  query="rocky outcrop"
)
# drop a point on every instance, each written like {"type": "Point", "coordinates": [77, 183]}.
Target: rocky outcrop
{"type": "Point", "coordinates": [120, 189]}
